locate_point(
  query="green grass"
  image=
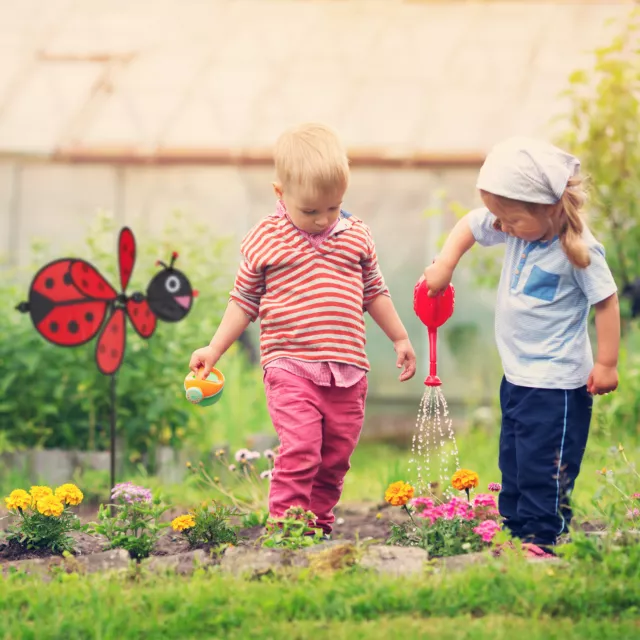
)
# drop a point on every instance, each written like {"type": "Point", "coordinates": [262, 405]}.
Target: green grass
{"type": "Point", "coordinates": [586, 599]}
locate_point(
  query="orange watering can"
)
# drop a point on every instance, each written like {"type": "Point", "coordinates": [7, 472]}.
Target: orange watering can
{"type": "Point", "coordinates": [433, 312]}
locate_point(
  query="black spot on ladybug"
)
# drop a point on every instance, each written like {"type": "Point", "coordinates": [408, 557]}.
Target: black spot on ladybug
{"type": "Point", "coordinates": [114, 328]}
{"type": "Point", "coordinates": [102, 348]}
{"type": "Point", "coordinates": [85, 283]}
{"type": "Point", "coordinates": [144, 328]}
{"type": "Point", "coordinates": [114, 353]}
{"type": "Point", "coordinates": [136, 311]}
{"type": "Point", "coordinates": [48, 283]}
{"type": "Point", "coordinates": [67, 279]}
{"type": "Point", "coordinates": [89, 316]}
{"type": "Point", "coordinates": [101, 286]}
{"type": "Point", "coordinates": [73, 327]}
{"type": "Point", "coordinates": [53, 327]}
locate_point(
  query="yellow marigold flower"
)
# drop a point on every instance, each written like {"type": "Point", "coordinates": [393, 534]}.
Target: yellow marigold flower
{"type": "Point", "coordinates": [37, 493]}
{"type": "Point", "coordinates": [398, 493]}
{"type": "Point", "coordinates": [70, 494]}
{"type": "Point", "coordinates": [463, 480]}
{"type": "Point", "coordinates": [181, 523]}
{"type": "Point", "coordinates": [50, 506]}
{"type": "Point", "coordinates": [18, 499]}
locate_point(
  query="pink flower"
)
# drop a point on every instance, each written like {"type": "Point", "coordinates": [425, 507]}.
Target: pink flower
{"type": "Point", "coordinates": [632, 514]}
{"type": "Point", "coordinates": [487, 530]}
{"type": "Point", "coordinates": [484, 506]}
{"type": "Point", "coordinates": [484, 500]}
{"type": "Point", "coordinates": [420, 504]}
{"type": "Point", "coordinates": [636, 496]}
{"type": "Point", "coordinates": [457, 508]}
{"type": "Point", "coordinates": [496, 487]}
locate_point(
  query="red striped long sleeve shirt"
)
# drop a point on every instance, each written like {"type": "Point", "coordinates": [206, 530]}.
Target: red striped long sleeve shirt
{"type": "Point", "coordinates": [310, 300]}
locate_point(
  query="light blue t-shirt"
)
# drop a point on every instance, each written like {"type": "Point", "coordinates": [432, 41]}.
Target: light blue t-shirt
{"type": "Point", "coordinates": [543, 307]}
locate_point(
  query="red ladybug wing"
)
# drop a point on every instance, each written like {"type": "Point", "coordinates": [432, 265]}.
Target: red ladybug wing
{"type": "Point", "coordinates": [70, 325]}
{"type": "Point", "coordinates": [54, 282]}
{"type": "Point", "coordinates": [90, 282]}
{"type": "Point", "coordinates": [111, 344]}
{"type": "Point", "coordinates": [126, 255]}
{"type": "Point", "coordinates": [142, 318]}
{"type": "Point", "coordinates": [60, 312]}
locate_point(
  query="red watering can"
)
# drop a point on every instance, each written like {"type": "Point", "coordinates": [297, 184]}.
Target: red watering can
{"type": "Point", "coordinates": [433, 312]}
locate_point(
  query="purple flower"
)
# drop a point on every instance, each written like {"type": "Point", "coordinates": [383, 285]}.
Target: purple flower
{"type": "Point", "coordinates": [130, 493]}
{"type": "Point", "coordinates": [496, 487]}
{"type": "Point", "coordinates": [269, 454]}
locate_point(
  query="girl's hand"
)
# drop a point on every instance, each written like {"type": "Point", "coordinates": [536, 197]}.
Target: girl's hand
{"type": "Point", "coordinates": [602, 380]}
{"type": "Point", "coordinates": [438, 276]}
{"type": "Point", "coordinates": [204, 359]}
{"type": "Point", "coordinates": [406, 358]}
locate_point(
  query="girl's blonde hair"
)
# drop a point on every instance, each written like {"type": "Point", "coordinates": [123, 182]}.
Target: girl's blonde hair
{"type": "Point", "coordinates": [311, 156]}
{"type": "Point", "coordinates": [571, 222]}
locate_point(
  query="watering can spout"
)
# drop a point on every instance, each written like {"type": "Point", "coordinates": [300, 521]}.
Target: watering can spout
{"type": "Point", "coordinates": [433, 313]}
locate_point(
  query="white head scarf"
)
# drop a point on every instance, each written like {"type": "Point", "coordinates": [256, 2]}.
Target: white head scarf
{"type": "Point", "coordinates": [527, 170]}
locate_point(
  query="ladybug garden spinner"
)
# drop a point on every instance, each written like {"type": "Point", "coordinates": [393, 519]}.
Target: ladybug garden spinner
{"type": "Point", "coordinates": [70, 303]}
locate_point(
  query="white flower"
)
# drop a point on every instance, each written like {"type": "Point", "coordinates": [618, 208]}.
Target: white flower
{"type": "Point", "coordinates": [269, 454]}
{"type": "Point", "coordinates": [253, 455]}
{"type": "Point", "coordinates": [266, 475]}
{"type": "Point", "coordinates": [232, 467]}
{"type": "Point", "coordinates": [340, 521]}
{"type": "Point", "coordinates": [242, 454]}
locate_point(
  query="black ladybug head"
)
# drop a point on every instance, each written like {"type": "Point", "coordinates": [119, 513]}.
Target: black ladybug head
{"type": "Point", "coordinates": [169, 294]}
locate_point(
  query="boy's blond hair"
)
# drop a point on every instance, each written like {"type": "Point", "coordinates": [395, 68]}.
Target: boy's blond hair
{"type": "Point", "coordinates": [311, 156]}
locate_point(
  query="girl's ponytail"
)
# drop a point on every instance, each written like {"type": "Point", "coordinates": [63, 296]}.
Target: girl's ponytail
{"type": "Point", "coordinates": [572, 225]}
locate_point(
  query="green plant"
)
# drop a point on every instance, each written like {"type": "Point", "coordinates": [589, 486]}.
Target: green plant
{"type": "Point", "coordinates": [132, 521]}
{"type": "Point", "coordinates": [207, 526]}
{"type": "Point", "coordinates": [244, 482]}
{"type": "Point", "coordinates": [295, 530]}
{"type": "Point", "coordinates": [255, 519]}
{"type": "Point", "coordinates": [602, 129]}
{"type": "Point", "coordinates": [42, 518]}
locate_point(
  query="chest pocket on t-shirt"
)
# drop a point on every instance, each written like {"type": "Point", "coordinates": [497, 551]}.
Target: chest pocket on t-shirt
{"type": "Point", "coordinates": [541, 284]}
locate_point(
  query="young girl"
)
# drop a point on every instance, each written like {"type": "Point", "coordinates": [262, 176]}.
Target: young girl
{"type": "Point", "coordinates": [309, 271]}
{"type": "Point", "coordinates": [553, 272]}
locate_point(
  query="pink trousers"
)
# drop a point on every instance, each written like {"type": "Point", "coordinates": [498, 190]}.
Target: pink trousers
{"type": "Point", "coordinates": [318, 428]}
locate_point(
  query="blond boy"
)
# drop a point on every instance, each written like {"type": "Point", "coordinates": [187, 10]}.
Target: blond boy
{"type": "Point", "coordinates": [309, 271]}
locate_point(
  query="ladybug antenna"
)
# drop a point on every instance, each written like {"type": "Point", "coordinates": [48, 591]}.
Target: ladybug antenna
{"type": "Point", "coordinates": [174, 257]}
{"type": "Point", "coordinates": [159, 263]}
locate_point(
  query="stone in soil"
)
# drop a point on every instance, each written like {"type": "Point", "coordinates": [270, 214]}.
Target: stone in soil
{"type": "Point", "coordinates": [328, 556]}
{"type": "Point", "coordinates": [114, 560]}
{"type": "Point", "coordinates": [182, 563]}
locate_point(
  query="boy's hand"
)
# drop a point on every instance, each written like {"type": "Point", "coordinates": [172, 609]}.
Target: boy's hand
{"type": "Point", "coordinates": [406, 358]}
{"type": "Point", "coordinates": [602, 380]}
{"type": "Point", "coordinates": [438, 276]}
{"type": "Point", "coordinates": [204, 359]}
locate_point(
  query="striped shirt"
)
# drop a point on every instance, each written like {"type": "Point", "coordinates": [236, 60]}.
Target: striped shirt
{"type": "Point", "coordinates": [322, 374]}
{"type": "Point", "coordinates": [543, 307]}
{"type": "Point", "coordinates": [310, 299]}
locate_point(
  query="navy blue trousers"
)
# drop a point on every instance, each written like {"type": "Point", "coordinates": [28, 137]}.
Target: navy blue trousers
{"type": "Point", "coordinates": [542, 441]}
